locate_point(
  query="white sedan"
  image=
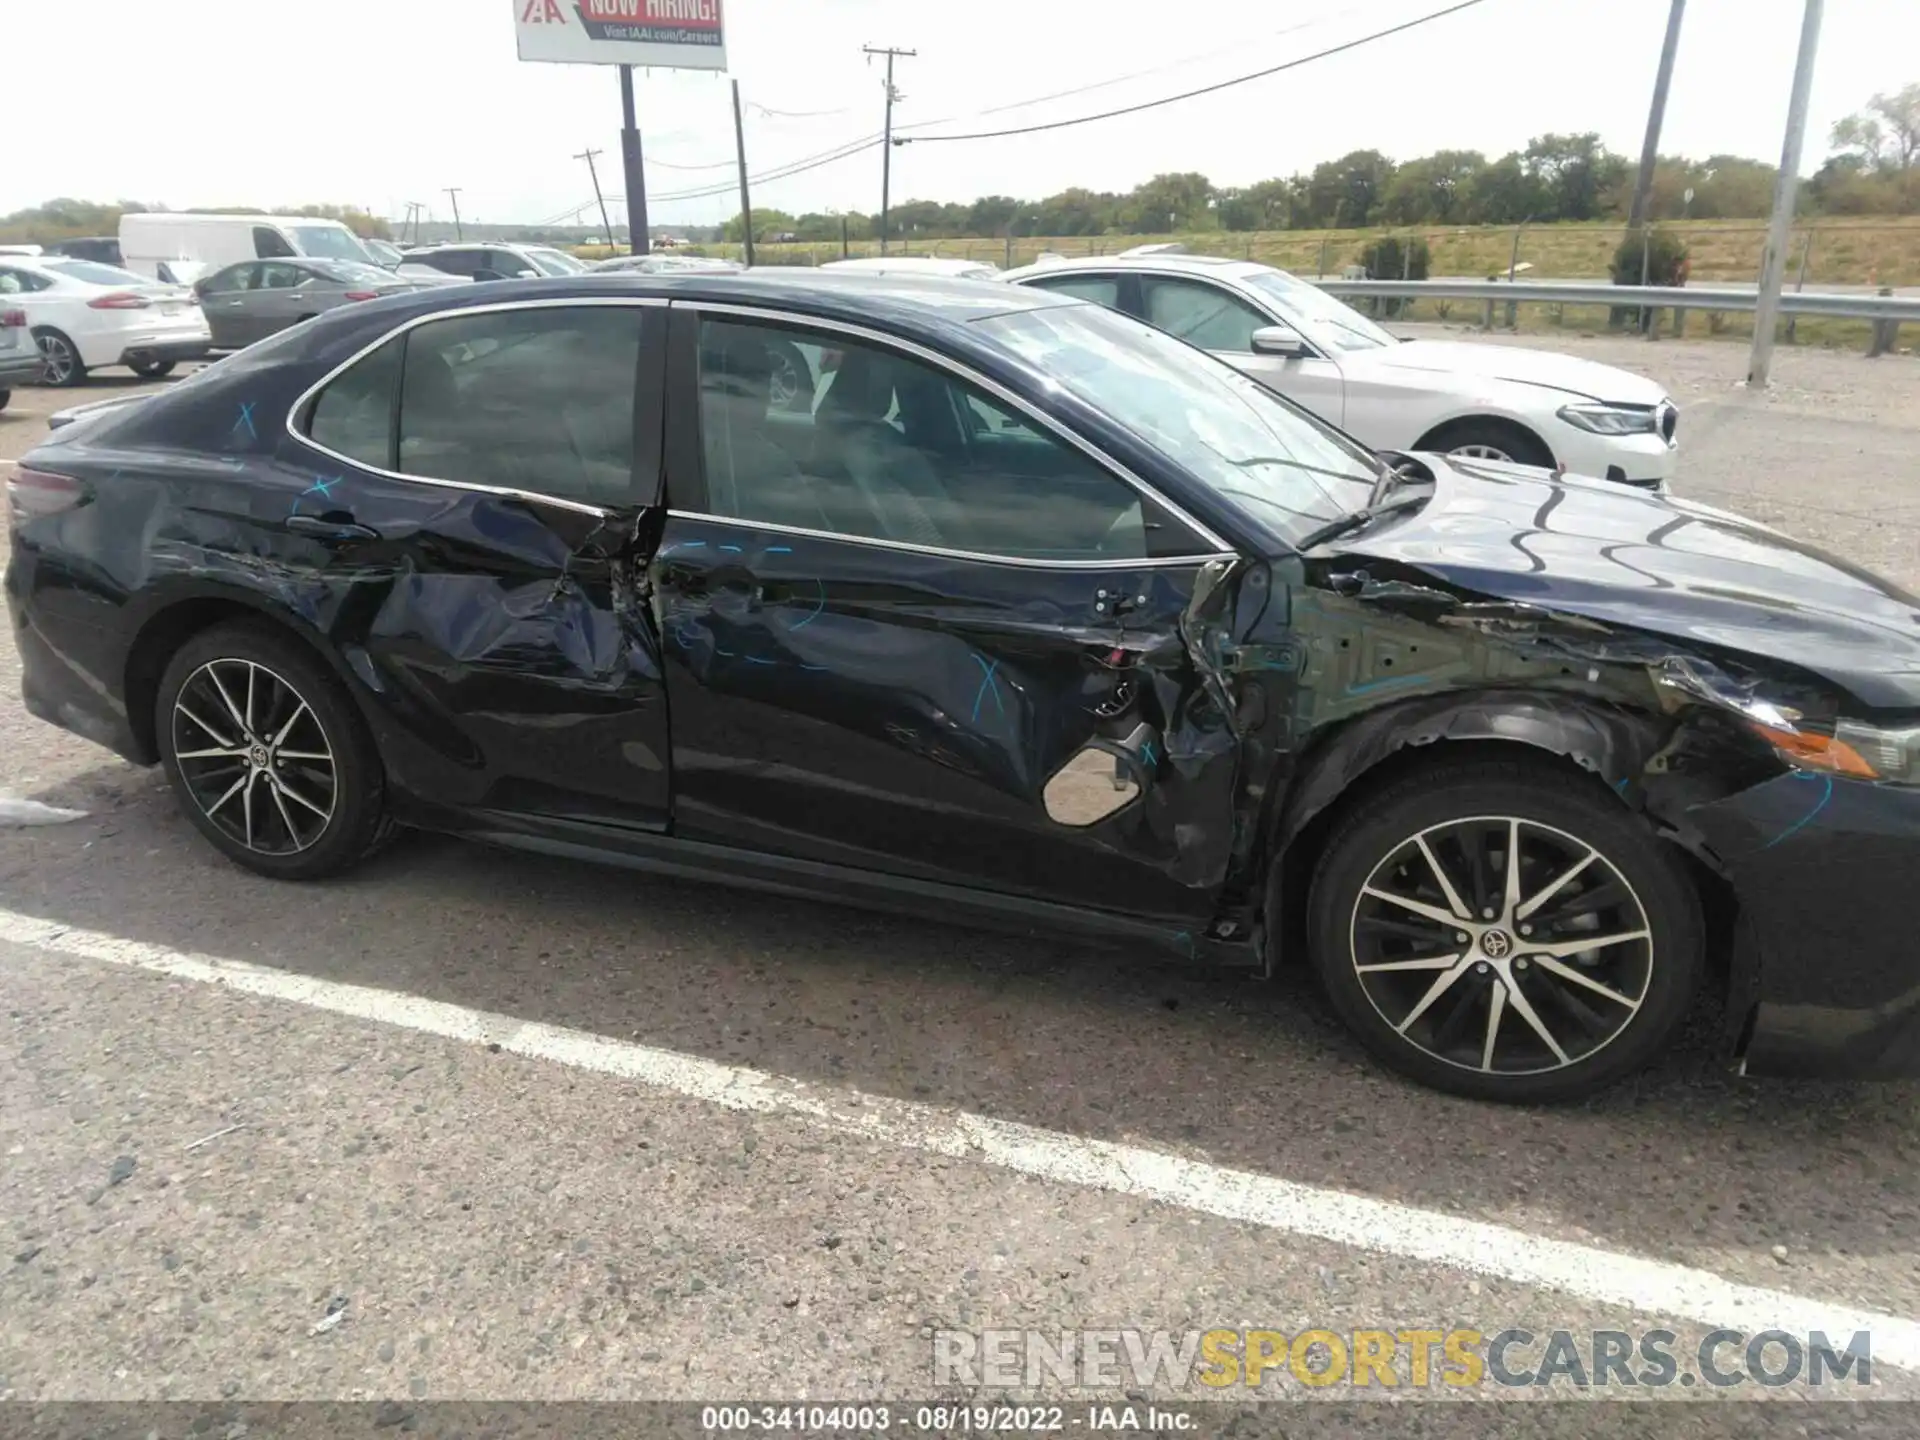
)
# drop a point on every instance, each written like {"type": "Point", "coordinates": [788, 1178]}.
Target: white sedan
{"type": "Point", "coordinates": [950, 266]}
{"type": "Point", "coordinates": [1493, 402]}
{"type": "Point", "coordinates": [84, 315]}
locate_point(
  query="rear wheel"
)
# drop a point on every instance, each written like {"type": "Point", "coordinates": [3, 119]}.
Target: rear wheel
{"type": "Point", "coordinates": [152, 369]}
{"type": "Point", "coordinates": [6, 397]}
{"type": "Point", "coordinates": [60, 364]}
{"type": "Point", "coordinates": [1505, 930]}
{"type": "Point", "coordinates": [267, 755]}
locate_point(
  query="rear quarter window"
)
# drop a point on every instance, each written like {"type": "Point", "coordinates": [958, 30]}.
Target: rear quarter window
{"type": "Point", "coordinates": [353, 416]}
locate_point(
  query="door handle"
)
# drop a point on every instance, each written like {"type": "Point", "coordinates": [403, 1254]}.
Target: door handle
{"type": "Point", "coordinates": [335, 527]}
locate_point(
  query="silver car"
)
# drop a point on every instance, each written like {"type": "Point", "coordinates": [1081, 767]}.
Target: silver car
{"type": "Point", "coordinates": [257, 298]}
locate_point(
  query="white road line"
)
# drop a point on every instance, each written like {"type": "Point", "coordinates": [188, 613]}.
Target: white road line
{"type": "Point", "coordinates": [1585, 1272]}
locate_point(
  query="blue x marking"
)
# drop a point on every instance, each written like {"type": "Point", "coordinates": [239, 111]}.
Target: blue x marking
{"type": "Point", "coordinates": [246, 419]}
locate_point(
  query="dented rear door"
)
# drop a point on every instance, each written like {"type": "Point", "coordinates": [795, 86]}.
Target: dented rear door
{"type": "Point", "coordinates": [892, 620]}
{"type": "Point", "coordinates": [489, 565]}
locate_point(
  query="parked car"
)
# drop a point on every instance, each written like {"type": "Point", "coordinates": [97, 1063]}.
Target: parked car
{"type": "Point", "coordinates": [85, 315]}
{"type": "Point", "coordinates": [657, 264]}
{"type": "Point", "coordinates": [490, 261]}
{"type": "Point", "coordinates": [151, 239]}
{"type": "Point", "coordinates": [19, 357]}
{"type": "Point", "coordinates": [248, 302]}
{"type": "Point", "coordinates": [102, 248]}
{"type": "Point", "coordinates": [385, 253]}
{"type": "Point", "coordinates": [1488, 402]}
{"type": "Point", "coordinates": [917, 265]}
{"type": "Point", "coordinates": [1040, 617]}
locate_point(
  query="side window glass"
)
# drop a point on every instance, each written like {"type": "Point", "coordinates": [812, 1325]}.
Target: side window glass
{"type": "Point", "coordinates": [537, 400]}
{"type": "Point", "coordinates": [896, 449]}
{"type": "Point", "coordinates": [1100, 289]}
{"type": "Point", "coordinates": [26, 282]}
{"type": "Point", "coordinates": [269, 244]}
{"type": "Point", "coordinates": [1203, 315]}
{"type": "Point", "coordinates": [354, 415]}
{"type": "Point", "coordinates": [9, 282]}
{"type": "Point", "coordinates": [280, 277]}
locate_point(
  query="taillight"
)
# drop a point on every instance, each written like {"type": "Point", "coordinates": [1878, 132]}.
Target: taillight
{"type": "Point", "coordinates": [119, 300]}
{"type": "Point", "coordinates": [363, 294]}
{"type": "Point", "coordinates": [32, 493]}
{"type": "Point", "coordinates": [13, 317]}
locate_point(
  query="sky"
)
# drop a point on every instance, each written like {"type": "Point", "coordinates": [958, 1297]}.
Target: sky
{"type": "Point", "coordinates": [379, 102]}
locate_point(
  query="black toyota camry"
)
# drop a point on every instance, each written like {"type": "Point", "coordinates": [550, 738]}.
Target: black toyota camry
{"type": "Point", "coordinates": [991, 605]}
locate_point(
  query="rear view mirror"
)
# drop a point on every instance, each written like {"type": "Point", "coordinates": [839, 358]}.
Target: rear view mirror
{"type": "Point", "coordinates": [1095, 783]}
{"type": "Point", "coordinates": [1281, 342]}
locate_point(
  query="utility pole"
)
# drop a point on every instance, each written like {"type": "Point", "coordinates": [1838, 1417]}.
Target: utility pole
{"type": "Point", "coordinates": [588, 155]}
{"type": "Point", "coordinates": [1773, 264]}
{"type": "Point", "coordinates": [639, 238]}
{"type": "Point", "coordinates": [740, 149]}
{"type": "Point", "coordinates": [886, 147]}
{"type": "Point", "coordinates": [1650, 152]}
{"type": "Point", "coordinates": [453, 194]}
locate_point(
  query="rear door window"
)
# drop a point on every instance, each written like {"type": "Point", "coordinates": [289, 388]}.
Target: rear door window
{"type": "Point", "coordinates": [539, 400]}
{"type": "Point", "coordinates": [1100, 289]}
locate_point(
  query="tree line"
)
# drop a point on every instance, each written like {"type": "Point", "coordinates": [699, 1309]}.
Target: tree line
{"type": "Point", "coordinates": [1874, 170]}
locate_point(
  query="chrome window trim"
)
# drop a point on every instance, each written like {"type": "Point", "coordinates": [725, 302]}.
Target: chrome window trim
{"type": "Point", "coordinates": [312, 392]}
{"type": "Point", "coordinates": [1165, 562]}
{"type": "Point", "coordinates": [993, 387]}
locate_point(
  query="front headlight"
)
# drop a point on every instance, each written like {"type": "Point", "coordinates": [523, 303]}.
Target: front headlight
{"type": "Point", "coordinates": [1836, 745]}
{"type": "Point", "coordinates": [1612, 419]}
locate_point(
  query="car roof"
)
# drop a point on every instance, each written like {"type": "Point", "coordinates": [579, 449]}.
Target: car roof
{"type": "Point", "coordinates": [1166, 260]}
{"type": "Point", "coordinates": [932, 264]}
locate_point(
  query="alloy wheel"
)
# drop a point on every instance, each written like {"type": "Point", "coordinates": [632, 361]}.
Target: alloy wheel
{"type": "Point", "coordinates": [783, 382]}
{"type": "Point", "coordinates": [1502, 945]}
{"type": "Point", "coordinates": [1481, 452]}
{"type": "Point", "coordinates": [254, 757]}
{"type": "Point", "coordinates": [57, 360]}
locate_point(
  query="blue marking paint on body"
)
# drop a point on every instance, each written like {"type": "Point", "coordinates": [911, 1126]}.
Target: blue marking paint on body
{"type": "Point", "coordinates": [1826, 795]}
{"type": "Point", "coordinates": [732, 549]}
{"type": "Point", "coordinates": [779, 549]}
{"type": "Point", "coordinates": [246, 419]}
{"type": "Point", "coordinates": [1622, 786]}
{"type": "Point", "coordinates": [759, 660]}
{"type": "Point", "coordinates": [1146, 753]}
{"type": "Point", "coordinates": [987, 682]}
{"type": "Point", "coordinates": [817, 609]}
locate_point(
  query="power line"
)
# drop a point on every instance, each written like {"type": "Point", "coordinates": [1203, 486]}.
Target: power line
{"type": "Point", "coordinates": [778, 174]}
{"type": "Point", "coordinates": [1204, 89]}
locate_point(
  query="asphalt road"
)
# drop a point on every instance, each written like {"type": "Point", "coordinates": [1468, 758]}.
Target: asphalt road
{"type": "Point", "coordinates": [484, 1099]}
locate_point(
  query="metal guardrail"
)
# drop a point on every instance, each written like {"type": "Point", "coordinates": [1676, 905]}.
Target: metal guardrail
{"type": "Point", "coordinates": [1886, 310]}
{"type": "Point", "coordinates": [1651, 297]}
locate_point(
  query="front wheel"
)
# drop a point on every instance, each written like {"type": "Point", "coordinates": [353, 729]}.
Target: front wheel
{"type": "Point", "coordinates": [1504, 930]}
{"type": "Point", "coordinates": [266, 754]}
{"type": "Point", "coordinates": [152, 369]}
{"type": "Point", "coordinates": [1491, 439]}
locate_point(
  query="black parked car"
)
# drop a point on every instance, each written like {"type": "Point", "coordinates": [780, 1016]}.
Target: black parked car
{"type": "Point", "coordinates": [1035, 615]}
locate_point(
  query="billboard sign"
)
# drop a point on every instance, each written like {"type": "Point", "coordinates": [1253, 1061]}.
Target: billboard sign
{"type": "Point", "coordinates": [669, 34]}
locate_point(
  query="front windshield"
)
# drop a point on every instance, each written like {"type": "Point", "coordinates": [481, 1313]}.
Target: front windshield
{"type": "Point", "coordinates": [556, 262]}
{"type": "Point", "coordinates": [1230, 432]}
{"type": "Point", "coordinates": [1325, 319]}
{"type": "Point", "coordinates": [385, 255]}
{"type": "Point", "coordinates": [328, 242]}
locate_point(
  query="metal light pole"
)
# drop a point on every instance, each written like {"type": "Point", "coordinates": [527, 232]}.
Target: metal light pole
{"type": "Point", "coordinates": [1773, 264]}
{"type": "Point", "coordinates": [1650, 151]}
{"type": "Point", "coordinates": [639, 240]}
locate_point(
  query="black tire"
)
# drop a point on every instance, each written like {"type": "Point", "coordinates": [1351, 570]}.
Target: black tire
{"type": "Point", "coordinates": [6, 398]}
{"type": "Point", "coordinates": [60, 364]}
{"type": "Point", "coordinates": [152, 369]}
{"type": "Point", "coordinates": [1487, 438]}
{"type": "Point", "coordinates": [1632, 884]}
{"type": "Point", "coordinates": [290, 842]}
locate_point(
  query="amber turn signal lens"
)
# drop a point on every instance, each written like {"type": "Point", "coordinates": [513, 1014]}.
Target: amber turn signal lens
{"type": "Point", "coordinates": [1818, 752]}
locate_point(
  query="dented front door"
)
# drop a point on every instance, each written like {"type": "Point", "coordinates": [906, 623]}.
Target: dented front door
{"type": "Point", "coordinates": [925, 707]}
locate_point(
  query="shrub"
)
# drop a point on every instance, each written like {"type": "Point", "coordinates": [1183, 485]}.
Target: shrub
{"type": "Point", "coordinates": [1663, 253]}
{"type": "Point", "coordinates": [1391, 258]}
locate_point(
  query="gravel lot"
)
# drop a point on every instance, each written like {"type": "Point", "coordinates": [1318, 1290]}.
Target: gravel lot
{"type": "Point", "coordinates": [510, 1225]}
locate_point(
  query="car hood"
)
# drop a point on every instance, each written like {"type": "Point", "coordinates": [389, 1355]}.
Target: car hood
{"type": "Point", "coordinates": [1659, 565]}
{"type": "Point", "coordinates": [1505, 362]}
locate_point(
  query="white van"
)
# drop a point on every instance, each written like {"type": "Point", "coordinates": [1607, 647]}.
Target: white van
{"type": "Point", "coordinates": [177, 248]}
